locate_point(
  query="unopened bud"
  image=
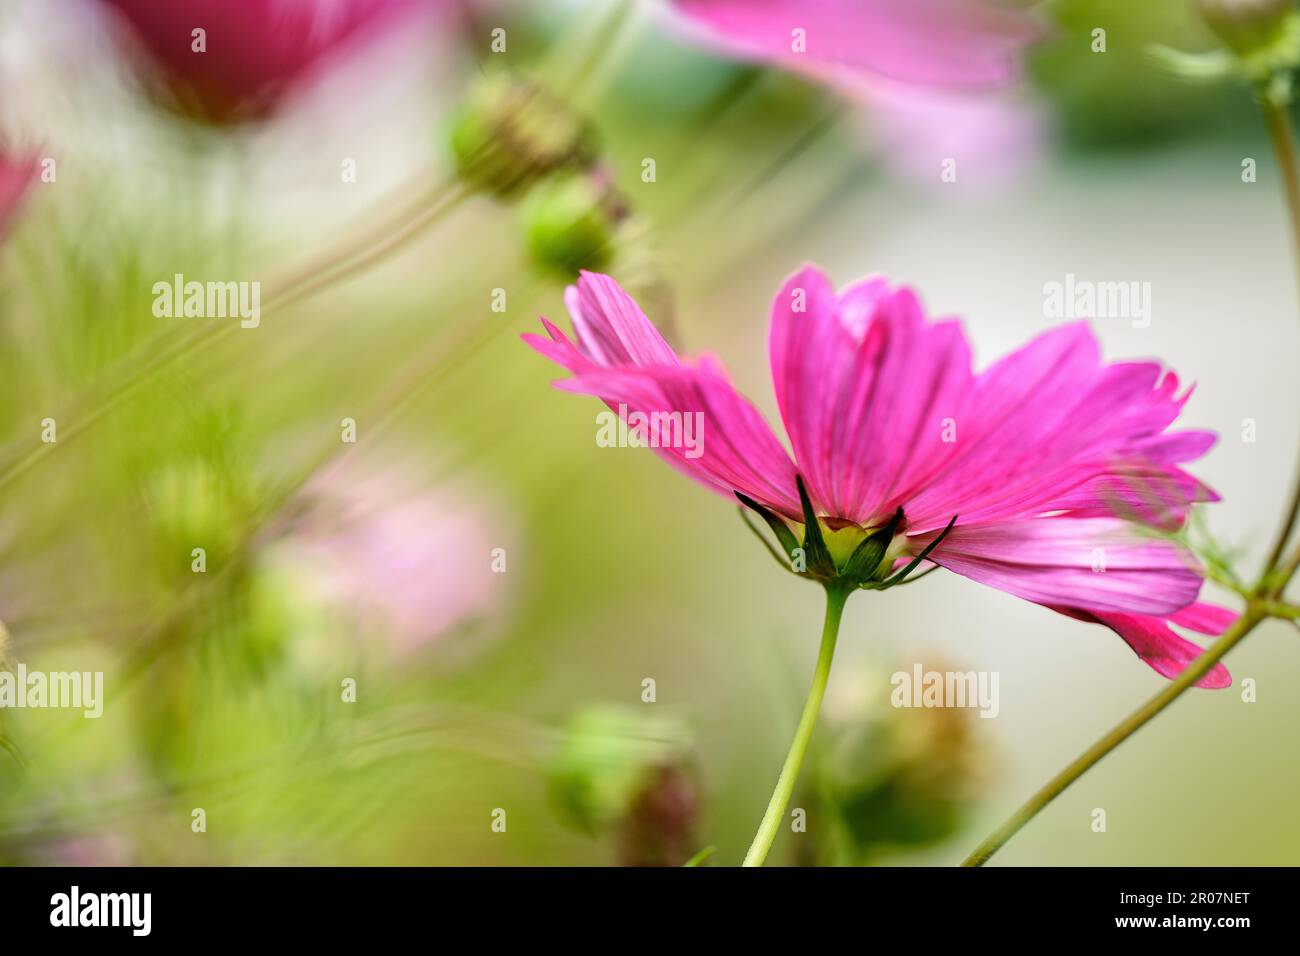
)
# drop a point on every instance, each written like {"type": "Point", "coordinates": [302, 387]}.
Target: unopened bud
{"type": "Point", "coordinates": [1247, 26]}
{"type": "Point", "coordinates": [625, 773]}
{"type": "Point", "coordinates": [570, 221]}
{"type": "Point", "coordinates": [511, 132]}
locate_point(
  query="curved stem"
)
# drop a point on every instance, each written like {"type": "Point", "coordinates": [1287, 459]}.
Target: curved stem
{"type": "Point", "coordinates": [1277, 571]}
{"type": "Point", "coordinates": [1131, 725]}
{"type": "Point", "coordinates": [767, 830]}
{"type": "Point", "coordinates": [1278, 118]}
{"type": "Point", "coordinates": [356, 258]}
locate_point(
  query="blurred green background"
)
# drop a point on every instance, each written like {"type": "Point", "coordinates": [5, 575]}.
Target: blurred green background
{"type": "Point", "coordinates": [523, 689]}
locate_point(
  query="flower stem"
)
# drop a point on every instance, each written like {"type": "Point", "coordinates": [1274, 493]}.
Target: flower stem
{"type": "Point", "coordinates": [1129, 726]}
{"type": "Point", "coordinates": [1278, 118]}
{"type": "Point", "coordinates": [767, 830]}
{"type": "Point", "coordinates": [1278, 572]}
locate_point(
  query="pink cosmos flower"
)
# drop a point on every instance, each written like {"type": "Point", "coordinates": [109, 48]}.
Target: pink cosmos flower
{"type": "Point", "coordinates": [932, 73]}
{"type": "Point", "coordinates": [1048, 475]}
{"type": "Point", "coordinates": [255, 53]}
{"type": "Point", "coordinates": [392, 558]}
{"type": "Point", "coordinates": [16, 177]}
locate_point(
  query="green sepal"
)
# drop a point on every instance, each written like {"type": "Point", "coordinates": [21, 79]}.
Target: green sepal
{"type": "Point", "coordinates": [776, 556]}
{"type": "Point", "coordinates": [916, 562]}
{"type": "Point", "coordinates": [779, 528]}
{"type": "Point", "coordinates": [816, 554]}
{"type": "Point", "coordinates": [866, 558]}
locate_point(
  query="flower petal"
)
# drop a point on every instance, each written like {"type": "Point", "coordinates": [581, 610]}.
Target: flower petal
{"type": "Point", "coordinates": [865, 385]}
{"type": "Point", "coordinates": [813, 363]}
{"type": "Point", "coordinates": [733, 449]}
{"type": "Point", "coordinates": [1052, 560]}
{"type": "Point", "coordinates": [948, 43]}
{"type": "Point", "coordinates": [621, 358]}
{"type": "Point", "coordinates": [1205, 618]}
{"type": "Point", "coordinates": [1052, 428]}
{"type": "Point", "coordinates": [1155, 643]}
{"type": "Point", "coordinates": [16, 176]}
{"type": "Point", "coordinates": [611, 328]}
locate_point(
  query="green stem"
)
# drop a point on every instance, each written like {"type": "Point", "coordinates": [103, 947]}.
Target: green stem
{"type": "Point", "coordinates": [767, 830]}
{"type": "Point", "coordinates": [1131, 725]}
{"type": "Point", "coordinates": [1288, 612]}
{"type": "Point", "coordinates": [1278, 118]}
{"type": "Point", "coordinates": [1277, 571]}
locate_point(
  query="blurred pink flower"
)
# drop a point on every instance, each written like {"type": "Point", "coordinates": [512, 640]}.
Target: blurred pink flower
{"type": "Point", "coordinates": [1058, 464]}
{"type": "Point", "coordinates": [256, 52]}
{"type": "Point", "coordinates": [934, 75]}
{"type": "Point", "coordinates": [16, 177]}
{"type": "Point", "coordinates": [412, 564]}
{"type": "Point", "coordinates": [952, 44]}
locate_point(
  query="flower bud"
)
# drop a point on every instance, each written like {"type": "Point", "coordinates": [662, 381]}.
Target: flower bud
{"type": "Point", "coordinates": [621, 773]}
{"type": "Point", "coordinates": [889, 778]}
{"type": "Point", "coordinates": [224, 62]}
{"type": "Point", "coordinates": [659, 827]}
{"type": "Point", "coordinates": [569, 223]}
{"type": "Point", "coordinates": [511, 132]}
{"type": "Point", "coordinates": [1247, 26]}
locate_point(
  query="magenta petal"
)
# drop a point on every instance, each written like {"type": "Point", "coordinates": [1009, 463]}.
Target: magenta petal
{"type": "Point", "coordinates": [1053, 429]}
{"type": "Point", "coordinates": [996, 135]}
{"type": "Point", "coordinates": [1157, 645]}
{"type": "Point", "coordinates": [16, 177]}
{"type": "Point", "coordinates": [737, 451]}
{"type": "Point", "coordinates": [621, 358]}
{"type": "Point", "coordinates": [1205, 618]}
{"type": "Point", "coordinates": [257, 50]}
{"type": "Point", "coordinates": [611, 328]}
{"type": "Point", "coordinates": [946, 43]}
{"type": "Point", "coordinates": [813, 363]}
{"type": "Point", "coordinates": [899, 437]}
{"type": "Point", "coordinates": [865, 385]}
{"type": "Point", "coordinates": [1052, 560]}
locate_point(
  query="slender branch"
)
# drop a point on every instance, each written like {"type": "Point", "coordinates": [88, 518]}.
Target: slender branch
{"type": "Point", "coordinates": [349, 262]}
{"type": "Point", "coordinates": [1277, 572]}
{"type": "Point", "coordinates": [767, 830]}
{"type": "Point", "coordinates": [1131, 725]}
{"type": "Point", "coordinates": [1287, 612]}
{"type": "Point", "coordinates": [335, 265]}
{"type": "Point", "coordinates": [1278, 118]}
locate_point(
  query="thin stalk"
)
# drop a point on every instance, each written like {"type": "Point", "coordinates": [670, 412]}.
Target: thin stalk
{"type": "Point", "coordinates": [335, 266]}
{"type": "Point", "coordinates": [772, 819]}
{"type": "Point", "coordinates": [1125, 729]}
{"type": "Point", "coordinates": [1278, 118]}
{"type": "Point", "coordinates": [1277, 571]}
